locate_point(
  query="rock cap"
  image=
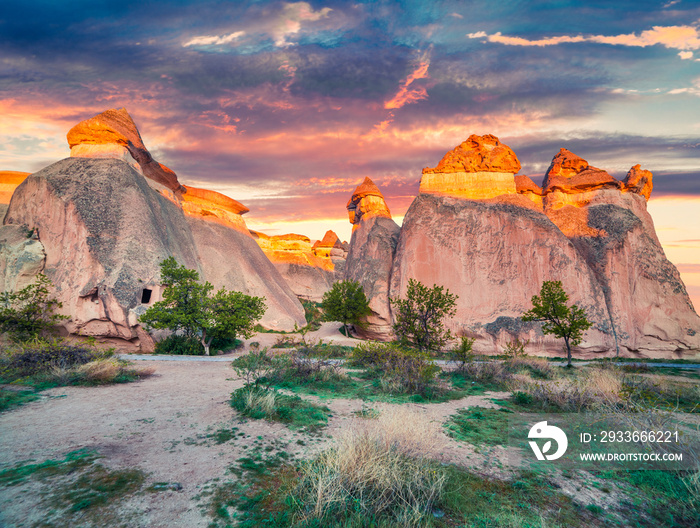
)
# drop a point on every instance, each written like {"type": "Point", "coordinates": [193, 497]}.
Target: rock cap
{"type": "Point", "coordinates": [478, 154]}
{"type": "Point", "coordinates": [639, 181]}
{"type": "Point", "coordinates": [570, 174]}
{"type": "Point", "coordinates": [367, 201]}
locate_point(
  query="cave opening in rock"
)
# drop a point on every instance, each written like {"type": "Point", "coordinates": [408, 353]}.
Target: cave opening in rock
{"type": "Point", "coordinates": [145, 296]}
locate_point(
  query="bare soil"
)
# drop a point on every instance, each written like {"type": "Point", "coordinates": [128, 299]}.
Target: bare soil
{"type": "Point", "coordinates": [160, 426]}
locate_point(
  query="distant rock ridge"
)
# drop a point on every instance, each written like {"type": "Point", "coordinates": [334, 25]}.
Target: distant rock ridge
{"type": "Point", "coordinates": [492, 237]}
{"type": "Point", "coordinates": [310, 272]}
{"type": "Point", "coordinates": [367, 201]}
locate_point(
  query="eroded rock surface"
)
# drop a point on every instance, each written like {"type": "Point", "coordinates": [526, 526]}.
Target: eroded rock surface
{"type": "Point", "coordinates": [372, 247]}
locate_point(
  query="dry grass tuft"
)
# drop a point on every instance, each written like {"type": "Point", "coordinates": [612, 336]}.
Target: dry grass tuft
{"type": "Point", "coordinates": [380, 469]}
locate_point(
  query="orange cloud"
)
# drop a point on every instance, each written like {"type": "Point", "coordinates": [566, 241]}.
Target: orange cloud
{"type": "Point", "coordinates": [406, 95]}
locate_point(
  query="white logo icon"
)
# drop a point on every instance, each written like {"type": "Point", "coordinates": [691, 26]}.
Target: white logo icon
{"type": "Point", "coordinates": [550, 432]}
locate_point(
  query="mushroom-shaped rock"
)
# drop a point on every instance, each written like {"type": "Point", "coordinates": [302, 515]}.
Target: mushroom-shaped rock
{"type": "Point", "coordinates": [479, 168]}
{"type": "Point", "coordinates": [570, 174]}
{"type": "Point", "coordinates": [639, 181]}
{"type": "Point", "coordinates": [367, 201]}
{"type": "Point", "coordinates": [214, 206]}
{"type": "Point", "coordinates": [106, 135]}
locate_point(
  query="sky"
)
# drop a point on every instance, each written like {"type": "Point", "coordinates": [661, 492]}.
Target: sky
{"type": "Point", "coordinates": [287, 106]}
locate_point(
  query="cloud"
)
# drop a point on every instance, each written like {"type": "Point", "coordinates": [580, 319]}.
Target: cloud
{"type": "Point", "coordinates": [685, 55]}
{"type": "Point", "coordinates": [406, 94]}
{"type": "Point", "coordinates": [282, 26]}
{"type": "Point", "coordinates": [214, 40]}
{"type": "Point", "coordinates": [673, 37]}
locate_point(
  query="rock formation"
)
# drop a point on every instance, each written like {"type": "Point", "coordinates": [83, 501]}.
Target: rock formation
{"type": "Point", "coordinates": [329, 246]}
{"type": "Point", "coordinates": [308, 274]}
{"type": "Point", "coordinates": [104, 229]}
{"type": "Point", "coordinates": [493, 238]}
{"type": "Point", "coordinates": [480, 168]}
{"type": "Point", "coordinates": [113, 134]}
{"type": "Point", "coordinates": [372, 246]}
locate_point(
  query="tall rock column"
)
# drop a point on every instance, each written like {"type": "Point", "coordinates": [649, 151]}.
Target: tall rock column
{"type": "Point", "coordinates": [369, 261]}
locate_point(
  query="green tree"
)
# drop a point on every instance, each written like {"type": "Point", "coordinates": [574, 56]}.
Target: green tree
{"type": "Point", "coordinates": [346, 302]}
{"type": "Point", "coordinates": [190, 308]}
{"type": "Point", "coordinates": [419, 317]}
{"type": "Point", "coordinates": [29, 313]}
{"type": "Point", "coordinates": [550, 308]}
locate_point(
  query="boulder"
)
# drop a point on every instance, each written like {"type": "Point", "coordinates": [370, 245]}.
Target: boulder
{"type": "Point", "coordinates": [479, 168]}
{"type": "Point", "coordinates": [639, 181]}
{"type": "Point", "coordinates": [369, 262]}
{"type": "Point", "coordinates": [105, 231]}
{"type": "Point", "coordinates": [101, 135]}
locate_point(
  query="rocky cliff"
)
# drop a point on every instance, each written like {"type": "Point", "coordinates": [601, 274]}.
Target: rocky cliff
{"type": "Point", "coordinates": [372, 247]}
{"type": "Point", "coordinates": [99, 230]}
{"type": "Point", "coordinates": [493, 237]}
{"type": "Point", "coordinates": [308, 273]}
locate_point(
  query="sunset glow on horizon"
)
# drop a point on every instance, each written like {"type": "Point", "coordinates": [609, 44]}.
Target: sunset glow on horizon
{"type": "Point", "coordinates": [287, 106]}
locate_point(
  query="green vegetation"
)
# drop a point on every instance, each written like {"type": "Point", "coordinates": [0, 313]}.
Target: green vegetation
{"type": "Point", "coordinates": [29, 313]}
{"type": "Point", "coordinates": [420, 316]}
{"type": "Point", "coordinates": [550, 308]}
{"type": "Point", "coordinates": [313, 314]}
{"type": "Point", "coordinates": [269, 404]}
{"type": "Point", "coordinates": [346, 302]}
{"type": "Point", "coordinates": [479, 426]}
{"type": "Point", "coordinates": [190, 308]}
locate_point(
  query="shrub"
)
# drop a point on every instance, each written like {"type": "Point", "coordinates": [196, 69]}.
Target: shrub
{"type": "Point", "coordinates": [401, 370]}
{"type": "Point", "coordinates": [346, 302]}
{"type": "Point", "coordinates": [379, 473]}
{"type": "Point", "coordinates": [515, 348]}
{"type": "Point", "coordinates": [180, 345]}
{"type": "Point", "coordinates": [259, 367]}
{"type": "Point", "coordinates": [463, 354]}
{"type": "Point", "coordinates": [41, 357]}
{"type": "Point", "coordinates": [539, 368]}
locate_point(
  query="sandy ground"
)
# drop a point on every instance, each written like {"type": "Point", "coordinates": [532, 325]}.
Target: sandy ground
{"type": "Point", "coordinates": [159, 425]}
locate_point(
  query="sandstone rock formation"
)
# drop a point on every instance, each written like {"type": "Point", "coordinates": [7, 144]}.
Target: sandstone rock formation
{"type": "Point", "coordinates": [366, 202]}
{"type": "Point", "coordinates": [99, 231]}
{"type": "Point", "coordinates": [493, 242]}
{"type": "Point", "coordinates": [329, 246]}
{"type": "Point", "coordinates": [480, 168]}
{"type": "Point", "coordinates": [108, 135]}
{"type": "Point", "coordinates": [372, 246]}
{"type": "Point", "coordinates": [307, 274]}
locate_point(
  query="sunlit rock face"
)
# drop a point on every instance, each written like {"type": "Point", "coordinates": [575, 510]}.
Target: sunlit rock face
{"type": "Point", "coordinates": [307, 274]}
{"type": "Point", "coordinates": [479, 168]}
{"type": "Point", "coordinates": [99, 229]}
{"type": "Point", "coordinates": [366, 202]}
{"type": "Point", "coordinates": [608, 223]}
{"type": "Point", "coordinates": [583, 227]}
{"type": "Point", "coordinates": [372, 246]}
{"type": "Point", "coordinates": [102, 135]}
{"type": "Point", "coordinates": [330, 246]}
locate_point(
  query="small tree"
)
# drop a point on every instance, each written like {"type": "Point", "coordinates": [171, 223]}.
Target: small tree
{"type": "Point", "coordinates": [189, 307]}
{"type": "Point", "coordinates": [550, 308]}
{"type": "Point", "coordinates": [346, 302]}
{"type": "Point", "coordinates": [419, 317]}
{"type": "Point", "coordinates": [28, 313]}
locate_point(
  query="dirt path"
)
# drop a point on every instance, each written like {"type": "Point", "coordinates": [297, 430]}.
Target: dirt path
{"type": "Point", "coordinates": [160, 425]}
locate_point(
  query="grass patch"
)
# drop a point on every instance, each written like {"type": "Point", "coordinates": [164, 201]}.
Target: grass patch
{"type": "Point", "coordinates": [479, 426]}
{"type": "Point", "coordinates": [10, 399]}
{"type": "Point", "coordinates": [72, 462]}
{"type": "Point", "coordinates": [258, 403]}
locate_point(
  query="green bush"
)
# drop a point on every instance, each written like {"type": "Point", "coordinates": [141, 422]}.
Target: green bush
{"type": "Point", "coordinates": [401, 370]}
{"type": "Point", "coordinates": [463, 354]}
{"type": "Point", "coordinates": [261, 403]}
{"type": "Point", "coordinates": [180, 346]}
{"type": "Point", "coordinates": [40, 357]}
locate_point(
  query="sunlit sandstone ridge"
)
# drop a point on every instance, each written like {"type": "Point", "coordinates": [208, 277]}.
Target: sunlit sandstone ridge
{"type": "Point", "coordinates": [372, 246]}
{"type": "Point", "coordinates": [103, 228]}
{"type": "Point", "coordinates": [493, 237]}
{"type": "Point", "coordinates": [310, 271]}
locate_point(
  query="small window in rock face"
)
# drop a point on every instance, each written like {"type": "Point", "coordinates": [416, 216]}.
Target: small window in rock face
{"type": "Point", "coordinates": [146, 296]}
